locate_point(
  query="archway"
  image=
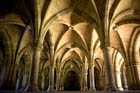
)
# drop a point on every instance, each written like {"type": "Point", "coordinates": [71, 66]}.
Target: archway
{"type": "Point", "coordinates": [71, 81]}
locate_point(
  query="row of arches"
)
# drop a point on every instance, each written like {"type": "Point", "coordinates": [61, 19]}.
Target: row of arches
{"type": "Point", "coordinates": [52, 46]}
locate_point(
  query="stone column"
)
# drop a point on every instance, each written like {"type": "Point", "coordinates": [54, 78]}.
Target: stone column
{"type": "Point", "coordinates": [7, 70]}
{"type": "Point", "coordinates": [118, 79]}
{"type": "Point", "coordinates": [85, 81]}
{"type": "Point", "coordinates": [24, 81]}
{"type": "Point", "coordinates": [109, 77]}
{"type": "Point", "coordinates": [33, 83]}
{"type": "Point", "coordinates": [81, 83]}
{"type": "Point", "coordinates": [58, 82]}
{"type": "Point", "coordinates": [62, 84]}
{"type": "Point", "coordinates": [85, 73]}
{"type": "Point", "coordinates": [42, 81]}
{"type": "Point", "coordinates": [125, 79]}
{"type": "Point", "coordinates": [17, 82]}
{"type": "Point", "coordinates": [136, 72]}
{"type": "Point", "coordinates": [51, 79]}
{"type": "Point", "coordinates": [13, 76]}
{"type": "Point", "coordinates": [102, 83]}
{"type": "Point", "coordinates": [130, 77]}
{"type": "Point", "coordinates": [27, 75]}
{"type": "Point", "coordinates": [92, 80]}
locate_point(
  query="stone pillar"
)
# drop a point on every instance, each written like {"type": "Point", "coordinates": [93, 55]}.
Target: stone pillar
{"type": "Point", "coordinates": [33, 83]}
{"type": "Point", "coordinates": [51, 79]}
{"type": "Point", "coordinates": [125, 79]}
{"type": "Point", "coordinates": [109, 77]}
{"type": "Point", "coordinates": [27, 75]}
{"type": "Point", "coordinates": [42, 81]}
{"type": "Point", "coordinates": [85, 81]}
{"type": "Point", "coordinates": [18, 79]}
{"type": "Point", "coordinates": [6, 85]}
{"type": "Point", "coordinates": [24, 81]}
{"type": "Point", "coordinates": [62, 85]}
{"type": "Point", "coordinates": [92, 80]}
{"type": "Point", "coordinates": [13, 77]}
{"type": "Point", "coordinates": [102, 81]}
{"type": "Point", "coordinates": [118, 79]}
{"type": "Point", "coordinates": [82, 88]}
{"type": "Point", "coordinates": [58, 82]}
{"type": "Point", "coordinates": [25, 72]}
{"type": "Point", "coordinates": [136, 72]}
{"type": "Point", "coordinates": [84, 75]}
{"type": "Point", "coordinates": [130, 77]}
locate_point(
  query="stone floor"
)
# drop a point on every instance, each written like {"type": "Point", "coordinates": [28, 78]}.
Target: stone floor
{"type": "Point", "coordinates": [14, 91]}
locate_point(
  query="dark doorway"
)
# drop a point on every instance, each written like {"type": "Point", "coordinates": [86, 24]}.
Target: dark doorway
{"type": "Point", "coordinates": [71, 81]}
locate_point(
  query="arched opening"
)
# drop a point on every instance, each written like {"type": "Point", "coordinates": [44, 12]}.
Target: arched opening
{"type": "Point", "coordinates": [71, 81]}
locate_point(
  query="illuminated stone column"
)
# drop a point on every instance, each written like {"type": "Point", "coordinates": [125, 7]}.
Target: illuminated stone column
{"type": "Point", "coordinates": [24, 81]}
{"type": "Point", "coordinates": [109, 77]}
{"type": "Point", "coordinates": [25, 76]}
{"type": "Point", "coordinates": [92, 80]}
{"type": "Point", "coordinates": [136, 73]}
{"type": "Point", "coordinates": [118, 80]}
{"type": "Point", "coordinates": [130, 77]}
{"type": "Point", "coordinates": [18, 79]}
{"type": "Point", "coordinates": [13, 76]}
{"type": "Point", "coordinates": [85, 73]}
{"type": "Point", "coordinates": [133, 76]}
{"type": "Point", "coordinates": [81, 87]}
{"type": "Point", "coordinates": [42, 81]}
{"type": "Point", "coordinates": [62, 85]}
{"type": "Point", "coordinates": [33, 84]}
{"type": "Point", "coordinates": [58, 82]}
{"type": "Point", "coordinates": [51, 79]}
{"type": "Point", "coordinates": [85, 81]}
{"type": "Point", "coordinates": [125, 79]}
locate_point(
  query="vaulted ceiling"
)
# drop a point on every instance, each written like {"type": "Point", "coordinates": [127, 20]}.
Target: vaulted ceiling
{"type": "Point", "coordinates": [77, 27]}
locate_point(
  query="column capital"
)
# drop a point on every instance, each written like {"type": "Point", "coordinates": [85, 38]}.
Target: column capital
{"type": "Point", "coordinates": [106, 48]}
{"type": "Point", "coordinates": [27, 28]}
{"type": "Point", "coordinates": [117, 71]}
{"type": "Point", "coordinates": [38, 46]}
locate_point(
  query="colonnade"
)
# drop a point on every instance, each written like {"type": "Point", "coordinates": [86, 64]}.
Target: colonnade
{"type": "Point", "coordinates": [109, 77]}
{"type": "Point", "coordinates": [113, 81]}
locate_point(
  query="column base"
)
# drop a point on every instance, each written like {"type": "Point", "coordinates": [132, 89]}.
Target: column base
{"type": "Point", "coordinates": [85, 89]}
{"type": "Point", "coordinates": [111, 88]}
{"type": "Point", "coordinates": [57, 89]}
{"type": "Point", "coordinates": [50, 89]}
{"type": "Point", "coordinates": [120, 88]}
{"type": "Point", "coordinates": [32, 88]}
{"type": "Point", "coordinates": [92, 89]}
{"type": "Point", "coordinates": [125, 88]}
